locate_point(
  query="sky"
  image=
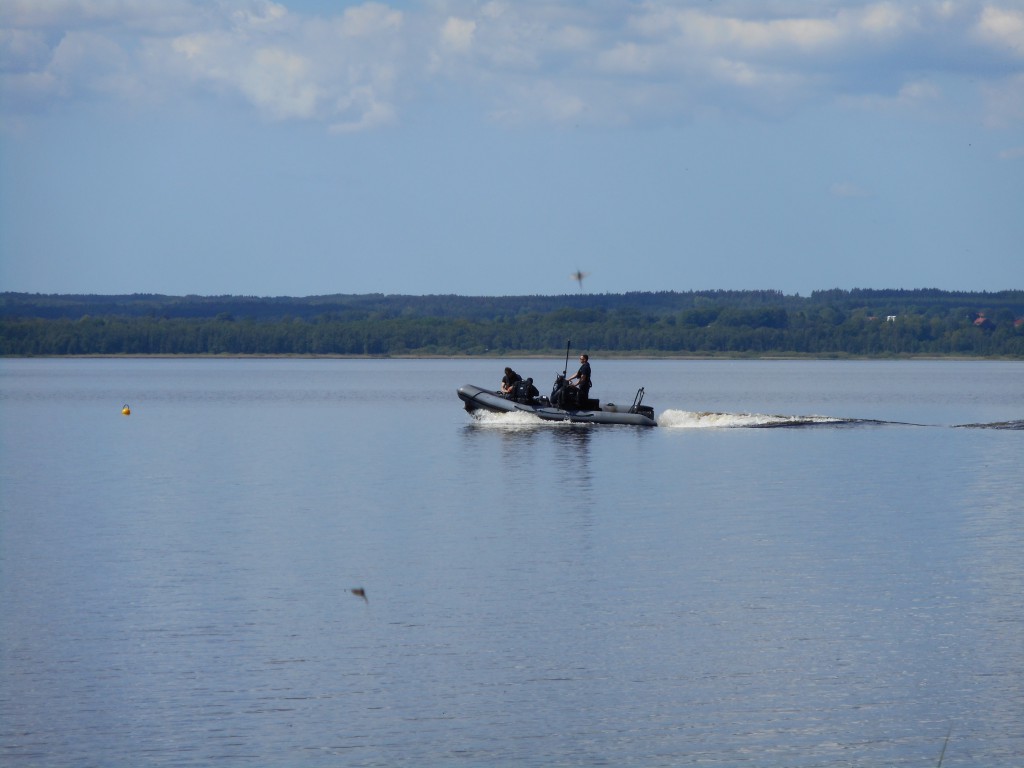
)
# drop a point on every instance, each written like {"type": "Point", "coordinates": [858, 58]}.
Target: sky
{"type": "Point", "coordinates": [311, 147]}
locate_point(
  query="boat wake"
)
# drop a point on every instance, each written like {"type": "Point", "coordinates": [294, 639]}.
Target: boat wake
{"type": "Point", "coordinates": [676, 419]}
{"type": "Point", "coordinates": [673, 418]}
{"type": "Point", "coordinates": [513, 420]}
{"type": "Point", "coordinates": [1018, 424]}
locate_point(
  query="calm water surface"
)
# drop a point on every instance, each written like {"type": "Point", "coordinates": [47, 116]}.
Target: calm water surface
{"type": "Point", "coordinates": [175, 585]}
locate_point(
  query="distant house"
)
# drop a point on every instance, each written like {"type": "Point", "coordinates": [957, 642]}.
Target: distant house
{"type": "Point", "coordinates": [890, 318]}
{"type": "Point", "coordinates": [983, 322]}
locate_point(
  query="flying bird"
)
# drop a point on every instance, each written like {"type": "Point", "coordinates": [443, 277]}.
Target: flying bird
{"type": "Point", "coordinates": [578, 277]}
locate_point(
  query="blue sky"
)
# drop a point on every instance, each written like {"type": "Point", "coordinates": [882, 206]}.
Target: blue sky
{"type": "Point", "coordinates": [494, 148]}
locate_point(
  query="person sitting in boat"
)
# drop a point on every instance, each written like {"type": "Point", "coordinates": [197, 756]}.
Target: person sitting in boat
{"type": "Point", "coordinates": [582, 379]}
{"type": "Point", "coordinates": [525, 392]}
{"type": "Point", "coordinates": [509, 381]}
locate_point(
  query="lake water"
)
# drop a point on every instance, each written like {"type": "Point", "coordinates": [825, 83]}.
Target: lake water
{"type": "Point", "coordinates": [176, 585]}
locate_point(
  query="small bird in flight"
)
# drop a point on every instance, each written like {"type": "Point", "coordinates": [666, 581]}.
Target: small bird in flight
{"type": "Point", "coordinates": [578, 277]}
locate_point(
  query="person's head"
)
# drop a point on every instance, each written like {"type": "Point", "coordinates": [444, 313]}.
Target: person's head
{"type": "Point", "coordinates": [584, 358]}
{"type": "Point", "coordinates": [508, 371]}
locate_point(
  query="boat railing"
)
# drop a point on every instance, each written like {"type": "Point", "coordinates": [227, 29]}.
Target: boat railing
{"type": "Point", "coordinates": [635, 407]}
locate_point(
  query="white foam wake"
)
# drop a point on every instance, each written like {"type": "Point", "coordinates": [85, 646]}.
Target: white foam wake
{"type": "Point", "coordinates": [510, 420]}
{"type": "Point", "coordinates": [672, 418]}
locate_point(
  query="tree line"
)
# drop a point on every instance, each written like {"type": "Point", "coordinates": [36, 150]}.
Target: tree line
{"type": "Point", "coordinates": [828, 323]}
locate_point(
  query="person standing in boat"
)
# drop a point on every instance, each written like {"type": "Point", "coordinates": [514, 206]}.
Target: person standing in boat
{"type": "Point", "coordinates": [582, 377]}
{"type": "Point", "coordinates": [509, 381]}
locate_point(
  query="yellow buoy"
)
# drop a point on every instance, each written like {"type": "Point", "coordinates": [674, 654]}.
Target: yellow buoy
{"type": "Point", "coordinates": [126, 410]}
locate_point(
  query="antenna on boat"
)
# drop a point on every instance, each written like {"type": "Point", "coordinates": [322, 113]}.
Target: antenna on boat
{"type": "Point", "coordinates": [568, 345]}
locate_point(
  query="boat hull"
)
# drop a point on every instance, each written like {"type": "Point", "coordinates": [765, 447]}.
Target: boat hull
{"type": "Point", "coordinates": [479, 399]}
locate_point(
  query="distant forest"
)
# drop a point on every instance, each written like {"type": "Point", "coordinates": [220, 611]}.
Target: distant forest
{"type": "Point", "coordinates": [859, 322]}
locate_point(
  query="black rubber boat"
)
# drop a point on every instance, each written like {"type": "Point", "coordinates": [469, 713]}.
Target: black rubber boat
{"type": "Point", "coordinates": [526, 399]}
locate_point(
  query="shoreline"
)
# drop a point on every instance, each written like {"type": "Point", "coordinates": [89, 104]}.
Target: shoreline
{"type": "Point", "coordinates": [517, 356]}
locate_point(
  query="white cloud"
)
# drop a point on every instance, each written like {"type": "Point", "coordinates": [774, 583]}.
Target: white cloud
{"type": "Point", "coordinates": [557, 60]}
{"type": "Point", "coordinates": [1002, 28]}
{"type": "Point", "coordinates": [457, 34]}
{"type": "Point", "coordinates": [540, 102]}
{"type": "Point", "coordinates": [628, 58]}
{"type": "Point", "coordinates": [700, 29]}
{"type": "Point", "coordinates": [913, 96]}
{"type": "Point", "coordinates": [24, 50]}
{"type": "Point", "coordinates": [257, 12]}
{"type": "Point", "coordinates": [360, 110]}
{"type": "Point", "coordinates": [885, 19]}
{"type": "Point", "coordinates": [93, 62]}
{"type": "Point", "coordinates": [369, 20]}
{"type": "Point", "coordinates": [919, 91]}
{"type": "Point", "coordinates": [341, 71]}
{"type": "Point", "coordinates": [278, 81]}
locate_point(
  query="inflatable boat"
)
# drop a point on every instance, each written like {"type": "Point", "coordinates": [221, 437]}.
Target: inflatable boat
{"type": "Point", "coordinates": [563, 404]}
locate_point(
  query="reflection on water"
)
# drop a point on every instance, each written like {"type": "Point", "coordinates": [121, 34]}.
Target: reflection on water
{"type": "Point", "coordinates": [536, 451]}
{"type": "Point", "coordinates": [573, 461]}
